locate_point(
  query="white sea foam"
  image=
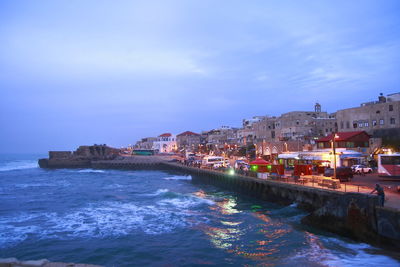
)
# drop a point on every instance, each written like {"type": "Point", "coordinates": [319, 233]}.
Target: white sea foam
{"type": "Point", "coordinates": [98, 220]}
{"type": "Point", "coordinates": [344, 254]}
{"type": "Point", "coordinates": [18, 165]}
{"type": "Point", "coordinates": [91, 171]}
{"type": "Point", "coordinates": [188, 177]}
{"type": "Point", "coordinates": [113, 186]}
{"type": "Point", "coordinates": [158, 192]}
{"type": "Point", "coordinates": [186, 202]}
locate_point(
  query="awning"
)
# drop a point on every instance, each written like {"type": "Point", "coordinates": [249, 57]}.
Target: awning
{"type": "Point", "coordinates": [259, 162]}
{"type": "Point", "coordinates": [288, 156]}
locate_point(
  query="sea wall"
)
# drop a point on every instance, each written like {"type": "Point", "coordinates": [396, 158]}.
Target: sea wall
{"type": "Point", "coordinates": [355, 215]}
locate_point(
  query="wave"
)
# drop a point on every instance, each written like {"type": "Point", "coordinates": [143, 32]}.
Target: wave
{"type": "Point", "coordinates": [91, 171]}
{"type": "Point", "coordinates": [188, 177]}
{"type": "Point", "coordinates": [18, 165]}
{"type": "Point", "coordinates": [344, 253]}
{"type": "Point", "coordinates": [96, 220]}
{"type": "Point", "coordinates": [186, 202]}
{"type": "Point", "coordinates": [158, 192]}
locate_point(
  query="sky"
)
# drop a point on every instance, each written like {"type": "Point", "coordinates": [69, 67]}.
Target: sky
{"type": "Point", "coordinates": [111, 72]}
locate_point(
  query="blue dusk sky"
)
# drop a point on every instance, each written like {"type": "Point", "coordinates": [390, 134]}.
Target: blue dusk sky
{"type": "Point", "coordinates": [85, 72]}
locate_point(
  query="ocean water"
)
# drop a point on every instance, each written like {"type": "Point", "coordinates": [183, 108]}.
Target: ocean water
{"type": "Point", "coordinates": [156, 218]}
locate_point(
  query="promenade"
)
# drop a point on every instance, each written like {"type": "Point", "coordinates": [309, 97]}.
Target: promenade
{"type": "Point", "coordinates": [359, 184]}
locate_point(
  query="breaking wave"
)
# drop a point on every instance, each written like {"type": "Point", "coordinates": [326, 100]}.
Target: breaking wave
{"type": "Point", "coordinates": [18, 165]}
{"type": "Point", "coordinates": [318, 250]}
{"type": "Point", "coordinates": [188, 177]}
{"type": "Point", "coordinates": [101, 220]}
{"type": "Point", "coordinates": [91, 171]}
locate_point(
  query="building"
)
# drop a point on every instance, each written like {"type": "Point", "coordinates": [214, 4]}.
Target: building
{"type": "Point", "coordinates": [380, 119]}
{"type": "Point", "coordinates": [357, 141]}
{"type": "Point", "coordinates": [145, 143]}
{"type": "Point", "coordinates": [188, 140]}
{"type": "Point", "coordinates": [165, 143]}
{"type": "Point", "coordinates": [221, 138]}
{"type": "Point", "coordinates": [305, 126]}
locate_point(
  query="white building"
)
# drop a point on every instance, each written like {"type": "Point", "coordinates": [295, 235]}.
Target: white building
{"type": "Point", "coordinates": [165, 143]}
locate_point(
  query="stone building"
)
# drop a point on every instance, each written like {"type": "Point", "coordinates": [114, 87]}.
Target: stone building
{"type": "Point", "coordinates": [295, 125]}
{"type": "Point", "coordinates": [370, 116]}
{"type": "Point", "coordinates": [380, 119]}
{"type": "Point", "coordinates": [188, 140]}
{"type": "Point", "coordinates": [165, 143]}
{"type": "Point", "coordinates": [145, 143]}
{"type": "Point", "coordinates": [221, 137]}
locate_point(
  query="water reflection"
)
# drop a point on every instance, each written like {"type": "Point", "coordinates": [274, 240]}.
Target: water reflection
{"type": "Point", "coordinates": [257, 237]}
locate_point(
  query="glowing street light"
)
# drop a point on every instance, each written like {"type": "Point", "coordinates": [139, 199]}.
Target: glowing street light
{"type": "Point", "coordinates": [334, 136]}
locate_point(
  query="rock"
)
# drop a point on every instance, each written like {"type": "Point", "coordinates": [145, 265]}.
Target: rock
{"type": "Point", "coordinates": [34, 263]}
{"type": "Point", "coordinates": [8, 262]}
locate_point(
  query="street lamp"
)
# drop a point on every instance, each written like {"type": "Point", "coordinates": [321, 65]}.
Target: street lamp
{"type": "Point", "coordinates": [334, 136]}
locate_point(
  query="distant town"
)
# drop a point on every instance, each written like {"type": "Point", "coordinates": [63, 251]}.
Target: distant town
{"type": "Point", "coordinates": [361, 133]}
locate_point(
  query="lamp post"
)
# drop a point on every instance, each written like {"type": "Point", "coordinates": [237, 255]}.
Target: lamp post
{"type": "Point", "coordinates": [334, 136]}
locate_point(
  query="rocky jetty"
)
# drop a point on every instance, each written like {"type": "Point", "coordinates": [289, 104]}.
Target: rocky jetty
{"type": "Point", "coordinates": [80, 158]}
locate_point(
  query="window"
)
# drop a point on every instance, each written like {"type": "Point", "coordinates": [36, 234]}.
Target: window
{"type": "Point", "coordinates": [390, 107]}
{"type": "Point", "coordinates": [378, 111]}
{"type": "Point", "coordinates": [354, 125]}
{"type": "Point", "coordinates": [381, 121]}
{"type": "Point", "coordinates": [360, 124]}
{"type": "Point", "coordinates": [341, 125]}
{"type": "Point", "coordinates": [347, 124]}
{"type": "Point", "coordinates": [366, 124]}
{"type": "Point", "coordinates": [392, 121]}
{"type": "Point", "coordinates": [326, 130]}
{"type": "Point", "coordinates": [349, 144]}
{"type": "Point", "coordinates": [374, 123]}
{"type": "Point", "coordinates": [297, 122]}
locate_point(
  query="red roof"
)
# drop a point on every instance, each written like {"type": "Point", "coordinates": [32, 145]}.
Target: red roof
{"type": "Point", "coordinates": [342, 136]}
{"type": "Point", "coordinates": [165, 135]}
{"type": "Point", "coordinates": [260, 162]}
{"type": "Point", "coordinates": [187, 133]}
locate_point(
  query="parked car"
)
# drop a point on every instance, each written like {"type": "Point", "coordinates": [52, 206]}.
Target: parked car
{"type": "Point", "coordinates": [344, 174]}
{"type": "Point", "coordinates": [361, 169]}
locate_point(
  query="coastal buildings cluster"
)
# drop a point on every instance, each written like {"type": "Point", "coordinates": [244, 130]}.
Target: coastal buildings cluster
{"type": "Point", "coordinates": [367, 130]}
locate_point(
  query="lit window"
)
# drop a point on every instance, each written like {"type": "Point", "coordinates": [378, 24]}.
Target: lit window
{"type": "Point", "coordinates": [360, 124]}
{"type": "Point", "coordinates": [374, 123]}
{"type": "Point", "coordinates": [381, 122]}
{"type": "Point", "coordinates": [366, 124]}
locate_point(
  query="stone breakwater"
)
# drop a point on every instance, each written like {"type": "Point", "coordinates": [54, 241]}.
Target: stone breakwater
{"type": "Point", "coordinates": [355, 215]}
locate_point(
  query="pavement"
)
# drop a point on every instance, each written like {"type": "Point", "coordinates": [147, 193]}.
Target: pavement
{"type": "Point", "coordinates": [368, 181]}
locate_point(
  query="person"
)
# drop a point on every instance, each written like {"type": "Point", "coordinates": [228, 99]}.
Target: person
{"type": "Point", "coordinates": [381, 194]}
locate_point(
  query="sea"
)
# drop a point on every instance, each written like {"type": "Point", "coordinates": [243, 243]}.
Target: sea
{"type": "Point", "coordinates": [157, 218]}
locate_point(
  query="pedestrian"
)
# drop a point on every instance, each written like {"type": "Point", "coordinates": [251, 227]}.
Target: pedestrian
{"type": "Point", "coordinates": [381, 194]}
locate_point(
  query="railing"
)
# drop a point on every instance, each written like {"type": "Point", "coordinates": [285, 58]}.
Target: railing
{"type": "Point", "coordinates": [313, 181]}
